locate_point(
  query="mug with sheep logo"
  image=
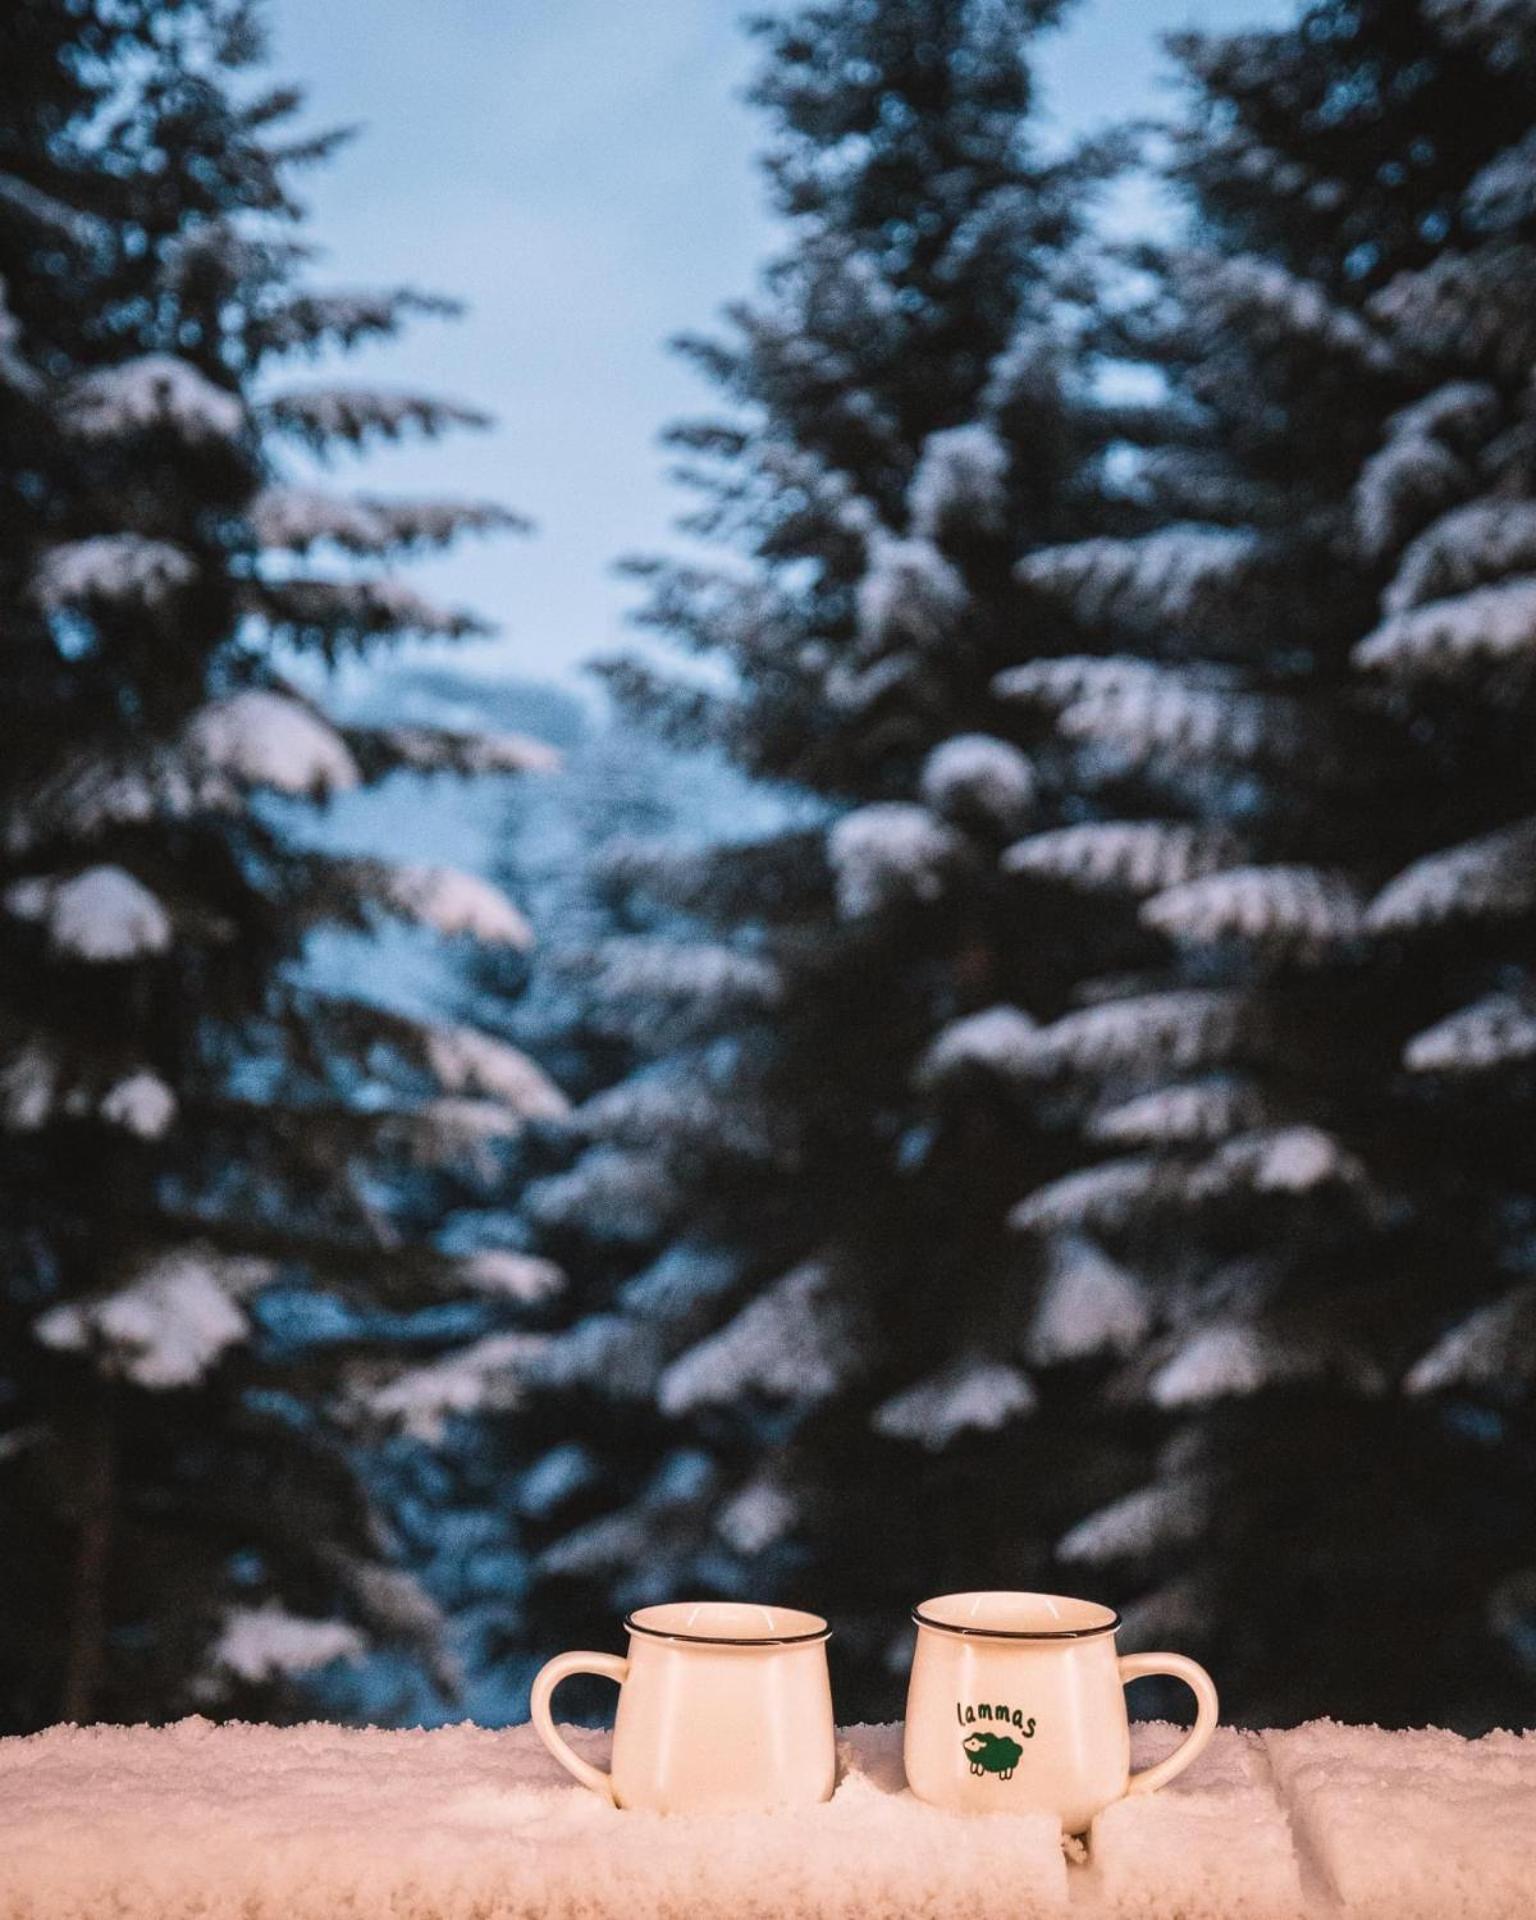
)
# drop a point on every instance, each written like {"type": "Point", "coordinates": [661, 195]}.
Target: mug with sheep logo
{"type": "Point", "coordinates": [1017, 1704]}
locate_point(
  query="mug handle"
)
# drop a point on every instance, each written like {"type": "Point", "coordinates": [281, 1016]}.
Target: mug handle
{"type": "Point", "coordinates": [609, 1667]}
{"type": "Point", "coordinates": [1136, 1666]}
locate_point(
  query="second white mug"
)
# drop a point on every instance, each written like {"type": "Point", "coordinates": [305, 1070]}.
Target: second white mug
{"type": "Point", "coordinates": [1017, 1703]}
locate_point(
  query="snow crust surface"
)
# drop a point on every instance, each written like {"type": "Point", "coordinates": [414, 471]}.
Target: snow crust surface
{"type": "Point", "coordinates": [311, 1823]}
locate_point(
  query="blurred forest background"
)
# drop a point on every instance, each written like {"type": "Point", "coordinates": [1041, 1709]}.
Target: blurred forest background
{"type": "Point", "coordinates": [1000, 1050]}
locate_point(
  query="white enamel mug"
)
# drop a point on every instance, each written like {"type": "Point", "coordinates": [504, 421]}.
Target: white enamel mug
{"type": "Point", "coordinates": [1017, 1704]}
{"type": "Point", "coordinates": [723, 1706]}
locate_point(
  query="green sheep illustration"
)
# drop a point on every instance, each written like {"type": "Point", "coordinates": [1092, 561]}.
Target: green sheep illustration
{"type": "Point", "coordinates": [991, 1753]}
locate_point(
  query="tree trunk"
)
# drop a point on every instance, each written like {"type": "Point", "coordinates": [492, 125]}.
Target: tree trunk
{"type": "Point", "coordinates": [86, 1646]}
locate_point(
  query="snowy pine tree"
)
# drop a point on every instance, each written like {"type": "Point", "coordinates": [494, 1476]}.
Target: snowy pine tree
{"type": "Point", "coordinates": [801, 1341]}
{"type": "Point", "coordinates": [211, 1175]}
{"type": "Point", "coordinates": [1303, 1111]}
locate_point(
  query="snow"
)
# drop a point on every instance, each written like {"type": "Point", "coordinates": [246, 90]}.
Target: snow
{"type": "Point", "coordinates": [201, 1822]}
{"type": "Point", "coordinates": [797, 1341]}
{"type": "Point", "coordinates": [169, 1324]}
{"type": "Point", "coordinates": [140, 1103]}
{"type": "Point", "coordinates": [260, 1643]}
{"type": "Point", "coordinates": [455, 902]}
{"type": "Point", "coordinates": [110, 566]}
{"type": "Point", "coordinates": [1089, 1304]}
{"type": "Point", "coordinates": [973, 1395]}
{"type": "Point", "coordinates": [1494, 875]}
{"type": "Point", "coordinates": [607, 1353]}
{"type": "Point", "coordinates": [1214, 1844]}
{"type": "Point", "coordinates": [1062, 681]}
{"type": "Point", "coordinates": [910, 599]}
{"type": "Point", "coordinates": [157, 391]}
{"type": "Point", "coordinates": [1412, 1826]}
{"type": "Point", "coordinates": [1303, 910]}
{"type": "Point", "coordinates": [1189, 1111]}
{"type": "Point", "coordinates": [524, 1277]}
{"type": "Point", "coordinates": [1104, 1196]}
{"type": "Point", "coordinates": [1178, 1030]}
{"type": "Point", "coordinates": [1471, 547]}
{"type": "Point", "coordinates": [959, 484]}
{"type": "Point", "coordinates": [1172, 578]}
{"type": "Point", "coordinates": [1168, 1513]}
{"type": "Point", "coordinates": [974, 777]}
{"type": "Point", "coordinates": [1490, 626]}
{"type": "Point", "coordinates": [609, 1193]}
{"type": "Point", "coordinates": [1280, 1160]}
{"type": "Point", "coordinates": [294, 519]}
{"type": "Point", "coordinates": [1489, 1347]}
{"type": "Point", "coordinates": [102, 914]}
{"type": "Point", "coordinates": [700, 975]}
{"type": "Point", "coordinates": [268, 739]}
{"type": "Point", "coordinates": [1132, 856]}
{"type": "Point", "coordinates": [28, 1081]}
{"type": "Point", "coordinates": [484, 1377]}
{"type": "Point", "coordinates": [756, 1517]}
{"type": "Point", "coordinates": [1165, 715]}
{"type": "Point", "coordinates": [1498, 1028]}
{"type": "Point", "coordinates": [888, 854]}
{"type": "Point", "coordinates": [1216, 1362]}
{"type": "Point", "coordinates": [464, 1060]}
{"type": "Point", "coordinates": [1273, 307]}
{"type": "Point", "coordinates": [1502, 194]}
{"type": "Point", "coordinates": [999, 1040]}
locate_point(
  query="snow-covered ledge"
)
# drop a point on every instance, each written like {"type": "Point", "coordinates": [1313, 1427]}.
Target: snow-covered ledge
{"type": "Point", "coordinates": [317, 1823]}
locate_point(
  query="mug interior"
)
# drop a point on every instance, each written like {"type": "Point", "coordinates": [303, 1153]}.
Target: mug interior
{"type": "Point", "coordinates": [1016, 1616]}
{"type": "Point", "coordinates": [732, 1623]}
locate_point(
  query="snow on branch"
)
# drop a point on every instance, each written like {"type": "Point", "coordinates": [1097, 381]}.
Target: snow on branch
{"type": "Point", "coordinates": [798, 1341]}
{"type": "Point", "coordinates": [505, 1274]}
{"type": "Point", "coordinates": [1487, 878]}
{"type": "Point", "coordinates": [267, 1642]}
{"type": "Point", "coordinates": [1493, 1346]}
{"type": "Point", "coordinates": [888, 855]}
{"type": "Point", "coordinates": [757, 1516]}
{"type": "Point", "coordinates": [1473, 546]}
{"type": "Point", "coordinates": [1065, 679]}
{"type": "Point", "coordinates": [485, 1377]}
{"type": "Point", "coordinates": [115, 568]}
{"type": "Point", "coordinates": [1273, 308]}
{"type": "Point", "coordinates": [1231, 1361]}
{"type": "Point", "coordinates": [169, 1324]}
{"type": "Point", "coordinates": [976, 780]}
{"type": "Point", "coordinates": [910, 598]}
{"type": "Point", "coordinates": [450, 750]}
{"type": "Point", "coordinates": [262, 738]}
{"type": "Point", "coordinates": [35, 1088]}
{"type": "Point", "coordinates": [1176, 1031]}
{"type": "Point", "coordinates": [1088, 1305]}
{"type": "Point", "coordinates": [1101, 1198]}
{"type": "Point", "coordinates": [1125, 856]}
{"type": "Point", "coordinates": [1502, 194]}
{"type": "Point", "coordinates": [332, 613]}
{"type": "Point", "coordinates": [958, 488]}
{"type": "Point", "coordinates": [703, 976]}
{"type": "Point", "coordinates": [295, 519]}
{"type": "Point", "coordinates": [464, 1060]}
{"type": "Point", "coordinates": [1465, 307]}
{"type": "Point", "coordinates": [610, 1194]}
{"type": "Point", "coordinates": [1420, 470]}
{"type": "Point", "coordinates": [998, 1042]}
{"type": "Point", "coordinates": [1491, 626]}
{"type": "Point", "coordinates": [1495, 1031]}
{"type": "Point", "coordinates": [321, 417]}
{"type": "Point", "coordinates": [1300, 910]}
{"type": "Point", "coordinates": [604, 1353]}
{"type": "Point", "coordinates": [157, 393]}
{"type": "Point", "coordinates": [1190, 1112]}
{"type": "Point", "coordinates": [972, 1395]}
{"type": "Point", "coordinates": [1191, 579]}
{"type": "Point", "coordinates": [1170, 1513]}
{"type": "Point", "coordinates": [1166, 716]}
{"type": "Point", "coordinates": [48, 214]}
{"type": "Point", "coordinates": [102, 914]}
{"type": "Point", "coordinates": [449, 900]}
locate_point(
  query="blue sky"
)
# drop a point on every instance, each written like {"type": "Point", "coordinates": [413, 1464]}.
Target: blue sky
{"type": "Point", "coordinates": [581, 173]}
